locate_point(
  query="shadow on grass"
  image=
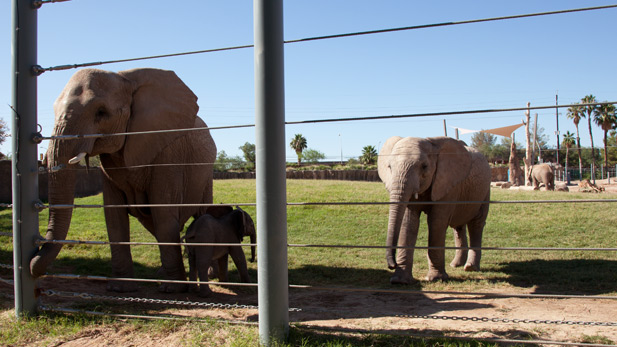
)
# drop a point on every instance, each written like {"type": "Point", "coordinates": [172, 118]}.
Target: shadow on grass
{"type": "Point", "coordinates": [570, 276]}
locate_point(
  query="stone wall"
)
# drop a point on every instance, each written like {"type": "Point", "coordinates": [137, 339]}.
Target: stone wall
{"type": "Point", "coordinates": [87, 183]}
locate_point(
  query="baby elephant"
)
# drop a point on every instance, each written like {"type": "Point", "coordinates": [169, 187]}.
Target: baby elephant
{"type": "Point", "coordinates": [542, 174]}
{"type": "Point", "coordinates": [229, 227]}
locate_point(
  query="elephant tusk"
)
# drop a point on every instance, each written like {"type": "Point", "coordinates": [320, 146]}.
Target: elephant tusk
{"type": "Point", "coordinates": [76, 159]}
{"type": "Point", "coordinates": [416, 196]}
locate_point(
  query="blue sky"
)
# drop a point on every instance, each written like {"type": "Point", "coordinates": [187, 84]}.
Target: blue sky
{"type": "Point", "coordinates": [502, 64]}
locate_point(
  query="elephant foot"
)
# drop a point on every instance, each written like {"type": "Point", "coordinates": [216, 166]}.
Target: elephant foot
{"type": "Point", "coordinates": [471, 267]}
{"type": "Point", "coordinates": [434, 276]}
{"type": "Point", "coordinates": [173, 288]}
{"type": "Point", "coordinates": [205, 291]}
{"type": "Point", "coordinates": [401, 277]}
{"type": "Point", "coordinates": [121, 287]}
{"type": "Point", "coordinates": [458, 262]}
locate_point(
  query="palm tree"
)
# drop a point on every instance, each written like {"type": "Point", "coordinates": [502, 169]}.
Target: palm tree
{"type": "Point", "coordinates": [567, 142]}
{"type": "Point", "coordinates": [589, 110]}
{"type": "Point", "coordinates": [575, 112]}
{"type": "Point", "coordinates": [604, 116]}
{"type": "Point", "coordinates": [298, 144]}
{"type": "Point", "coordinates": [369, 155]}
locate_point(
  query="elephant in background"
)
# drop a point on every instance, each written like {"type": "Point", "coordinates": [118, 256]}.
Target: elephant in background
{"type": "Point", "coordinates": [231, 227]}
{"type": "Point", "coordinates": [542, 174]}
{"type": "Point", "coordinates": [136, 168]}
{"type": "Point", "coordinates": [433, 169]}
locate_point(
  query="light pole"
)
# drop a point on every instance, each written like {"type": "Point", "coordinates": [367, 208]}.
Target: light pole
{"type": "Point", "coordinates": [341, 142]}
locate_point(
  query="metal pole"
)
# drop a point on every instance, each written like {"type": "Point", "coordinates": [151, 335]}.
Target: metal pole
{"type": "Point", "coordinates": [557, 120]}
{"type": "Point", "coordinates": [445, 129]}
{"type": "Point", "coordinates": [24, 165]}
{"type": "Point", "coordinates": [270, 172]}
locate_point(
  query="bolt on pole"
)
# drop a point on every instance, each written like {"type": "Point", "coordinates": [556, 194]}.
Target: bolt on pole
{"type": "Point", "coordinates": [24, 162]}
{"type": "Point", "coordinates": [270, 172]}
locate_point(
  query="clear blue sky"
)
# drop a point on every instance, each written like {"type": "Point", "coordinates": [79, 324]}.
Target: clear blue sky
{"type": "Point", "coordinates": [475, 66]}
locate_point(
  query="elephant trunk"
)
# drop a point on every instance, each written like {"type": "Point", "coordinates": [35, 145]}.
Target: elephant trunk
{"type": "Point", "coordinates": [61, 192]}
{"type": "Point", "coordinates": [395, 220]}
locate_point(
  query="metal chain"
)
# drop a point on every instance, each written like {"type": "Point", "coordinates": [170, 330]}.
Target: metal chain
{"type": "Point", "coordinates": [88, 296]}
{"type": "Point", "coordinates": [507, 320]}
{"type": "Point", "coordinates": [6, 266]}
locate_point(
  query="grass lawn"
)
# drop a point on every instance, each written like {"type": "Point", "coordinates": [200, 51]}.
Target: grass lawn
{"type": "Point", "coordinates": [563, 225]}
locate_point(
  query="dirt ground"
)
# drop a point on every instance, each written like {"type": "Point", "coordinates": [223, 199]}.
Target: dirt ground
{"type": "Point", "coordinates": [419, 314]}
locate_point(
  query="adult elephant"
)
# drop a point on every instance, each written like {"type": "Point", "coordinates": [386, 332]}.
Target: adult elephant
{"type": "Point", "coordinates": [434, 169]}
{"type": "Point", "coordinates": [542, 174]}
{"type": "Point", "coordinates": [136, 168]}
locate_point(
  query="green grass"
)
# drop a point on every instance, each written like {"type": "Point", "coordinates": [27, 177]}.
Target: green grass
{"type": "Point", "coordinates": [508, 225]}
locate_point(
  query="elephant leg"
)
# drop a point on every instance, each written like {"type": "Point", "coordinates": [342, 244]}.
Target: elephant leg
{"type": "Point", "coordinates": [437, 226]}
{"type": "Point", "coordinates": [237, 255]}
{"type": "Point", "coordinates": [476, 228]}
{"type": "Point", "coordinates": [213, 271]}
{"type": "Point", "coordinates": [204, 259]}
{"type": "Point", "coordinates": [167, 230]}
{"type": "Point", "coordinates": [192, 268]}
{"type": "Point", "coordinates": [404, 256]}
{"type": "Point", "coordinates": [118, 230]}
{"type": "Point", "coordinates": [223, 268]}
{"type": "Point", "coordinates": [460, 241]}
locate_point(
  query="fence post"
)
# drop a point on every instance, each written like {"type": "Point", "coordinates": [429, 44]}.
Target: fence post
{"type": "Point", "coordinates": [270, 172]}
{"type": "Point", "coordinates": [24, 164]}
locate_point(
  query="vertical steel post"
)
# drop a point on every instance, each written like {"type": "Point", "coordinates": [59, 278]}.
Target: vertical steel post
{"type": "Point", "coordinates": [270, 172]}
{"type": "Point", "coordinates": [24, 166]}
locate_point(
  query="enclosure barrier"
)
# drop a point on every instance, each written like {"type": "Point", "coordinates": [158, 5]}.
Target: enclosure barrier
{"type": "Point", "coordinates": [271, 211]}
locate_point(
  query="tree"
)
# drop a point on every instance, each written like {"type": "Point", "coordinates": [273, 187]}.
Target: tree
{"type": "Point", "coordinates": [588, 112]}
{"type": "Point", "coordinates": [248, 149]}
{"type": "Point", "coordinates": [575, 112]}
{"type": "Point", "coordinates": [224, 162]}
{"type": "Point", "coordinates": [312, 155]}
{"type": "Point", "coordinates": [4, 133]}
{"type": "Point", "coordinates": [369, 155]}
{"type": "Point", "coordinates": [298, 144]}
{"type": "Point", "coordinates": [567, 142]}
{"type": "Point", "coordinates": [604, 116]}
{"type": "Point", "coordinates": [484, 142]}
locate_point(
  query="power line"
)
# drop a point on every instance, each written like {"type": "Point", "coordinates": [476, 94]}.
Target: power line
{"type": "Point", "coordinates": [39, 70]}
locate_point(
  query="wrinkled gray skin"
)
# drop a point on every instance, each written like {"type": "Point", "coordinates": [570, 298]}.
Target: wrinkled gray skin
{"type": "Point", "coordinates": [542, 174]}
{"type": "Point", "coordinates": [433, 169]}
{"type": "Point", "coordinates": [103, 102]}
{"type": "Point", "coordinates": [231, 227]}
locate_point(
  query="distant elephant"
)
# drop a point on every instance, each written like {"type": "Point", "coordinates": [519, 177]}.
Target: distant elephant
{"type": "Point", "coordinates": [231, 227]}
{"type": "Point", "coordinates": [542, 174]}
{"type": "Point", "coordinates": [433, 169]}
{"type": "Point", "coordinates": [155, 168]}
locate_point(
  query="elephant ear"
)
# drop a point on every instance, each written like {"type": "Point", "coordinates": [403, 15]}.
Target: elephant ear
{"type": "Point", "coordinates": [161, 101]}
{"type": "Point", "coordinates": [383, 160]}
{"type": "Point", "coordinates": [453, 165]}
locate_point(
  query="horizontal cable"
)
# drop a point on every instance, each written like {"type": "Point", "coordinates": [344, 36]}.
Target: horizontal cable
{"type": "Point", "coordinates": [6, 266]}
{"type": "Point", "coordinates": [134, 316]}
{"type": "Point", "coordinates": [5, 281]}
{"type": "Point", "coordinates": [3, 205]}
{"type": "Point", "coordinates": [98, 243]}
{"type": "Point", "coordinates": [66, 206]}
{"type": "Point", "coordinates": [3, 233]}
{"type": "Point", "coordinates": [145, 280]}
{"type": "Point", "coordinates": [40, 70]}
{"type": "Point", "coordinates": [113, 243]}
{"type": "Point", "coordinates": [331, 120]}
{"type": "Point", "coordinates": [344, 289]}
{"type": "Point", "coordinates": [420, 292]}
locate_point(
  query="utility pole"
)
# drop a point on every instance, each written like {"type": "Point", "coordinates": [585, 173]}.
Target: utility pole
{"type": "Point", "coordinates": [557, 121]}
{"type": "Point", "coordinates": [528, 154]}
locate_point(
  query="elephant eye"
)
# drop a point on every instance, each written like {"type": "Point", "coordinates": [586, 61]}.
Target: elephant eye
{"type": "Point", "coordinates": [101, 113]}
{"type": "Point", "coordinates": [424, 166]}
